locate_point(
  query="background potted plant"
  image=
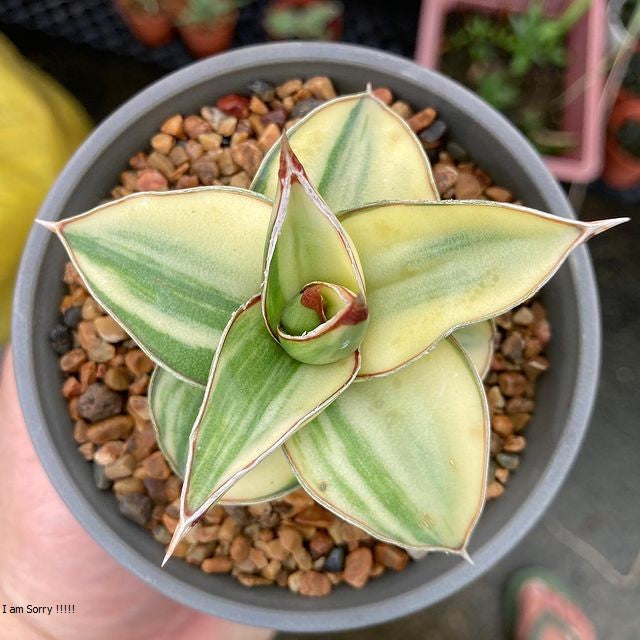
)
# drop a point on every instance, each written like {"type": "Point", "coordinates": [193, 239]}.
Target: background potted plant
{"type": "Point", "coordinates": [566, 394]}
{"type": "Point", "coordinates": [148, 20]}
{"type": "Point", "coordinates": [622, 170]}
{"type": "Point", "coordinates": [304, 20]}
{"type": "Point", "coordinates": [506, 51]}
{"type": "Point", "coordinates": [208, 26]}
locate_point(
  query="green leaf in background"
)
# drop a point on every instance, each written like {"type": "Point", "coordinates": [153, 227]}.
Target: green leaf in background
{"type": "Point", "coordinates": [174, 406]}
{"type": "Point", "coordinates": [256, 397]}
{"type": "Point", "coordinates": [399, 456]}
{"type": "Point", "coordinates": [355, 150]}
{"type": "Point", "coordinates": [476, 341]}
{"type": "Point", "coordinates": [172, 267]}
{"type": "Point", "coordinates": [431, 267]}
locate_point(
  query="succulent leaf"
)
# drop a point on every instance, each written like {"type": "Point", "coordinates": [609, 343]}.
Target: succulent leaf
{"type": "Point", "coordinates": [313, 292]}
{"type": "Point", "coordinates": [476, 341]}
{"type": "Point", "coordinates": [256, 397]}
{"type": "Point", "coordinates": [174, 405]}
{"type": "Point", "coordinates": [431, 267]}
{"type": "Point", "coordinates": [401, 457]}
{"type": "Point", "coordinates": [172, 267]}
{"type": "Point", "coordinates": [355, 150]}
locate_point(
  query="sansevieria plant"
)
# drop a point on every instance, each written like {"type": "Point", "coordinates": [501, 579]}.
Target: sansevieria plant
{"type": "Point", "coordinates": [329, 327]}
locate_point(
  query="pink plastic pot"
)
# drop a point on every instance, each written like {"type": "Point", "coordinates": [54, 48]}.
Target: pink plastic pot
{"type": "Point", "coordinates": [585, 74]}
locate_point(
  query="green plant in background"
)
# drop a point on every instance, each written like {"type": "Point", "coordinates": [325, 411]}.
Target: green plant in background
{"type": "Point", "coordinates": [302, 22]}
{"type": "Point", "coordinates": [498, 89]}
{"type": "Point", "coordinates": [628, 136]}
{"type": "Point", "coordinates": [208, 11]}
{"type": "Point", "coordinates": [309, 330]}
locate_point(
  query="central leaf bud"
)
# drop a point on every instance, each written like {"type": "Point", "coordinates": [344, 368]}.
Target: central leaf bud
{"type": "Point", "coordinates": [323, 323]}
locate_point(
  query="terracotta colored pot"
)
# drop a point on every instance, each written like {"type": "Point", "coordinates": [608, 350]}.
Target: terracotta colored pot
{"type": "Point", "coordinates": [203, 40]}
{"type": "Point", "coordinates": [153, 30]}
{"type": "Point", "coordinates": [622, 170]}
{"type": "Point", "coordinates": [334, 28]}
{"type": "Point", "coordinates": [586, 43]}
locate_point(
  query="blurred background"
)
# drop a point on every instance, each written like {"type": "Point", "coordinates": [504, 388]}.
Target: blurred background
{"type": "Point", "coordinates": [566, 72]}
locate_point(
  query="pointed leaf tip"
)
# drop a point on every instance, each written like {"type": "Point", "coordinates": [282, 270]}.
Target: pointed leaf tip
{"type": "Point", "coordinates": [48, 225]}
{"type": "Point", "coordinates": [599, 226]}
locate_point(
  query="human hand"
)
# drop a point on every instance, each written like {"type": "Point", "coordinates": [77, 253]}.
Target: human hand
{"type": "Point", "coordinates": [47, 558]}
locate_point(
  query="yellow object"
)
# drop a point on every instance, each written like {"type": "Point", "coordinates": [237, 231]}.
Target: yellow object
{"type": "Point", "coordinates": [41, 124]}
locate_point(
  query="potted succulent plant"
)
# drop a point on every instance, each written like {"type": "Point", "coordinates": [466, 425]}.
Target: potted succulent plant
{"type": "Point", "coordinates": [540, 63]}
{"type": "Point", "coordinates": [310, 325]}
{"type": "Point", "coordinates": [622, 169]}
{"type": "Point", "coordinates": [208, 26]}
{"type": "Point", "coordinates": [148, 20]}
{"type": "Point", "coordinates": [304, 20]}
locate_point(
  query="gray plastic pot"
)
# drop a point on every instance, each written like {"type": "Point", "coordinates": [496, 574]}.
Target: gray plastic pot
{"type": "Point", "coordinates": [565, 393]}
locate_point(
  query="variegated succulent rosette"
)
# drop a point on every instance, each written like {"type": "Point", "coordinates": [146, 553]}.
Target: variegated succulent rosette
{"type": "Point", "coordinates": [327, 328]}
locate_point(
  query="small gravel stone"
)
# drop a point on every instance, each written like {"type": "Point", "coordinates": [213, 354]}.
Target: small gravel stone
{"type": "Point", "coordinates": [100, 477]}
{"type": "Point", "coordinates": [434, 133]}
{"type": "Point", "coordinates": [390, 556]}
{"type": "Point", "coordinates": [513, 346]}
{"type": "Point", "coordinates": [72, 317]}
{"type": "Point", "coordinates": [73, 360]}
{"type": "Point", "coordinates": [314, 584]}
{"type": "Point", "coordinates": [173, 126]}
{"type": "Point", "coordinates": [118, 378]}
{"type": "Point", "coordinates": [290, 538]}
{"type": "Point", "coordinates": [512, 383]}
{"type": "Point", "coordinates": [109, 452]}
{"type": "Point", "coordinates": [515, 444]}
{"type": "Point", "coordinates": [61, 339]}
{"type": "Point", "coordinates": [121, 468]}
{"type": "Point", "coordinates": [239, 549]}
{"type": "Point", "coordinates": [99, 402]}
{"type": "Point", "coordinates": [126, 486]}
{"type": "Point", "coordinates": [138, 362]}
{"type": "Point", "coordinates": [357, 567]}
{"type": "Point", "coordinates": [264, 90]}
{"type": "Point", "coordinates": [498, 194]}
{"type": "Point", "coordinates": [320, 544]}
{"type": "Point", "coordinates": [306, 106]}
{"type": "Point", "coordinates": [445, 176]}
{"type": "Point", "coordinates": [155, 466]}
{"type": "Point", "coordinates": [136, 507]}
{"type": "Point", "coordinates": [217, 564]}
{"type": "Point", "coordinates": [422, 119]}
{"type": "Point", "coordinates": [494, 490]}
{"type": "Point", "coordinates": [508, 461]}
{"type": "Point", "coordinates": [321, 87]}
{"type": "Point", "coordinates": [108, 329]}
{"type": "Point", "coordinates": [115, 428]}
{"type": "Point", "coordinates": [234, 104]}
{"type": "Point", "coordinates": [502, 425]}
{"type": "Point", "coordinates": [288, 88]}
{"type": "Point", "coordinates": [402, 109]}
{"type": "Point", "coordinates": [151, 180]}
{"type": "Point", "coordinates": [468, 187]}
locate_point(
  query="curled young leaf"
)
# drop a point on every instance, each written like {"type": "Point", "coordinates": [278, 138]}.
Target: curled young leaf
{"type": "Point", "coordinates": [431, 267]}
{"type": "Point", "coordinates": [174, 405]}
{"type": "Point", "coordinates": [398, 457]}
{"type": "Point", "coordinates": [313, 292]}
{"type": "Point", "coordinates": [256, 397]}
{"type": "Point", "coordinates": [476, 341]}
{"type": "Point", "coordinates": [355, 151]}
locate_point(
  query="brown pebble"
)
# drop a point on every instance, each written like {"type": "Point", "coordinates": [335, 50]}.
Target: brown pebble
{"type": "Point", "coordinates": [402, 109]}
{"type": "Point", "coordinates": [120, 468]}
{"type": "Point", "coordinates": [162, 143]}
{"type": "Point", "coordinates": [520, 420]}
{"type": "Point", "coordinates": [498, 194]}
{"type": "Point", "coordinates": [91, 310]}
{"type": "Point", "coordinates": [316, 516]}
{"type": "Point", "coordinates": [321, 87]}
{"type": "Point", "coordinates": [156, 467]}
{"type": "Point", "coordinates": [259, 558]}
{"type": "Point", "coordinates": [542, 331]}
{"type": "Point", "coordinates": [80, 431]}
{"type": "Point", "coordinates": [234, 104]}
{"type": "Point", "coordinates": [422, 119]}
{"type": "Point", "coordinates": [86, 450]}
{"type": "Point", "coordinates": [523, 316]}
{"type": "Point", "coordinates": [534, 367]}
{"type": "Point", "coordinates": [229, 529]}
{"type": "Point", "coordinates": [239, 549]}
{"type": "Point", "coordinates": [127, 486]}
{"type": "Point", "coordinates": [151, 180]}
{"type": "Point", "coordinates": [390, 556]}
{"type": "Point", "coordinates": [195, 126]}
{"type": "Point", "coordinates": [71, 388]}
{"type": "Point", "coordinates": [247, 155]}
{"type": "Point", "coordinates": [114, 428]}
{"type": "Point", "coordinates": [515, 444]}
{"type": "Point", "coordinates": [138, 362]}
{"type": "Point", "coordinates": [445, 177]}
{"type": "Point", "coordinates": [383, 94]}
{"type": "Point", "coordinates": [250, 580]}
{"type": "Point", "coordinates": [513, 346]}
{"type": "Point", "coordinates": [512, 383]}
{"type": "Point", "coordinates": [468, 187]}
{"type": "Point", "coordinates": [502, 425]}
{"type": "Point", "coordinates": [99, 402]}
{"type": "Point", "coordinates": [502, 475]}
{"type": "Point", "coordinates": [269, 136]}
{"type": "Point", "coordinates": [494, 490]}
{"type": "Point", "coordinates": [162, 164]}
{"type": "Point", "coordinates": [118, 378]}
{"type": "Point", "coordinates": [275, 550]}
{"type": "Point", "coordinates": [314, 584]}
{"type": "Point", "coordinates": [217, 564]}
{"type": "Point", "coordinates": [290, 538]}
{"type": "Point", "coordinates": [174, 126]}
{"type": "Point", "coordinates": [320, 544]}
{"type": "Point", "coordinates": [357, 567]}
{"type": "Point", "coordinates": [288, 88]}
{"type": "Point", "coordinates": [71, 361]}
{"type": "Point", "coordinates": [228, 126]}
{"type": "Point", "coordinates": [495, 398]}
{"type": "Point", "coordinates": [208, 533]}
{"type": "Point", "coordinates": [109, 452]}
{"type": "Point", "coordinates": [108, 329]}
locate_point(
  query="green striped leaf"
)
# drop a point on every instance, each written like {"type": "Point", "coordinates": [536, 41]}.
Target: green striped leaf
{"type": "Point", "coordinates": [172, 267]}
{"type": "Point", "coordinates": [433, 267]}
{"type": "Point", "coordinates": [355, 151]}
{"type": "Point", "coordinates": [477, 342]}
{"type": "Point", "coordinates": [307, 247]}
{"type": "Point", "coordinates": [403, 457]}
{"type": "Point", "coordinates": [256, 397]}
{"type": "Point", "coordinates": [174, 406]}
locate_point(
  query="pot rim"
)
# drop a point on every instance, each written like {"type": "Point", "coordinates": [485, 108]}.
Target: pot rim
{"type": "Point", "coordinates": [522, 519]}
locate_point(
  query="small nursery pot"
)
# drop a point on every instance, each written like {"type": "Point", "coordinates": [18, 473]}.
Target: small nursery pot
{"type": "Point", "coordinates": [622, 170]}
{"type": "Point", "coordinates": [334, 28]}
{"type": "Point", "coordinates": [204, 40]}
{"type": "Point", "coordinates": [153, 30]}
{"type": "Point", "coordinates": [565, 394]}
